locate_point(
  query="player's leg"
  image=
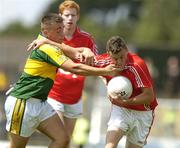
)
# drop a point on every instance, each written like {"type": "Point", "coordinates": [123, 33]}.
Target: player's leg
{"type": "Point", "coordinates": [71, 113]}
{"type": "Point", "coordinates": [141, 125]}
{"type": "Point", "coordinates": [68, 113]}
{"type": "Point", "coordinates": [59, 108]}
{"type": "Point", "coordinates": [131, 145]}
{"type": "Point", "coordinates": [16, 116]}
{"type": "Point", "coordinates": [66, 124]}
{"type": "Point", "coordinates": [113, 137]}
{"type": "Point", "coordinates": [17, 141]}
{"type": "Point", "coordinates": [54, 129]}
{"type": "Point", "coordinates": [117, 126]}
{"type": "Point", "coordinates": [69, 124]}
{"type": "Point", "coordinates": [61, 116]}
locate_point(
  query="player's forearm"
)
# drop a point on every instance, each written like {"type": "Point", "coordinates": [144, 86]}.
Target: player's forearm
{"type": "Point", "coordinates": [86, 70]}
{"type": "Point", "coordinates": [71, 52]}
{"type": "Point", "coordinates": [67, 48]}
{"type": "Point", "coordinates": [143, 98]}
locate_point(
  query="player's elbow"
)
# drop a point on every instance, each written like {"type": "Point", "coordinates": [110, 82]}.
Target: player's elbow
{"type": "Point", "coordinates": [149, 95]}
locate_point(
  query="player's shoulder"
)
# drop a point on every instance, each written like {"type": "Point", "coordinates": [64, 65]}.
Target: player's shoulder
{"type": "Point", "coordinates": [84, 33]}
{"type": "Point", "coordinates": [48, 47]}
{"type": "Point", "coordinates": [134, 58]}
{"type": "Point", "coordinates": [136, 61]}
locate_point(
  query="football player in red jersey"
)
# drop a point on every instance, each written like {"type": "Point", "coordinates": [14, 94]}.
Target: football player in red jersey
{"type": "Point", "coordinates": [132, 117]}
{"type": "Point", "coordinates": [65, 95]}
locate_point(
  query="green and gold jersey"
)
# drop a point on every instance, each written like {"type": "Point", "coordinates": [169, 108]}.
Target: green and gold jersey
{"type": "Point", "coordinates": [39, 73]}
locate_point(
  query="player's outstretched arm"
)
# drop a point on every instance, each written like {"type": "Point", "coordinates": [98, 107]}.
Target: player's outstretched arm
{"type": "Point", "coordinates": [82, 69]}
{"type": "Point", "coordinates": [83, 54]}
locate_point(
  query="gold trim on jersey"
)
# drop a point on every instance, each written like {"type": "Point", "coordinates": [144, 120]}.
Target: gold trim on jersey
{"type": "Point", "coordinates": [54, 52]}
{"type": "Point", "coordinates": [39, 68]}
{"type": "Point", "coordinates": [17, 117]}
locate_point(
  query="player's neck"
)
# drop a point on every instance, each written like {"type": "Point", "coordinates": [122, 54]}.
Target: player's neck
{"type": "Point", "coordinates": [69, 32]}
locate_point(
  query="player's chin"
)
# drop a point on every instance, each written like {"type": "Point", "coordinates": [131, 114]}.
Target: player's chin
{"type": "Point", "coordinates": [69, 24]}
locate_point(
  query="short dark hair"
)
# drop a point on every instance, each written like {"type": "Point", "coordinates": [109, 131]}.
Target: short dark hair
{"type": "Point", "coordinates": [115, 44]}
{"type": "Point", "coordinates": [51, 18]}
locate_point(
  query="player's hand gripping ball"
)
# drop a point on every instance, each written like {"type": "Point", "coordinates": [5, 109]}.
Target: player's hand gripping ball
{"type": "Point", "coordinates": [119, 86]}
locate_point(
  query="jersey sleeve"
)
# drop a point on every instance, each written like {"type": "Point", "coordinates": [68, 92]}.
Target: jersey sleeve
{"type": "Point", "coordinates": [102, 60]}
{"type": "Point", "coordinates": [142, 76]}
{"type": "Point", "coordinates": [53, 55]}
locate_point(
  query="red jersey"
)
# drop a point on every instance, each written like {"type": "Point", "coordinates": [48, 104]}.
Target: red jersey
{"type": "Point", "coordinates": [68, 87]}
{"type": "Point", "coordinates": [137, 72]}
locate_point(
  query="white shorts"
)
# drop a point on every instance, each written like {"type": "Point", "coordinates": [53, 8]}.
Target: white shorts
{"type": "Point", "coordinates": [69, 110]}
{"type": "Point", "coordinates": [24, 116]}
{"type": "Point", "coordinates": [135, 124]}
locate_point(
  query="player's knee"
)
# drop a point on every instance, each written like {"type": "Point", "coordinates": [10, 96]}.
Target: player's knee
{"type": "Point", "coordinates": [18, 145]}
{"type": "Point", "coordinates": [110, 145]}
{"type": "Point", "coordinates": [64, 142]}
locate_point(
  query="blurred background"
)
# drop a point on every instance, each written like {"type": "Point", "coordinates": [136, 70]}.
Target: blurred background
{"type": "Point", "coordinates": [151, 29]}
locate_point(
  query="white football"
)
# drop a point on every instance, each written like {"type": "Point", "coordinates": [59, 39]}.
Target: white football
{"type": "Point", "coordinates": [119, 86]}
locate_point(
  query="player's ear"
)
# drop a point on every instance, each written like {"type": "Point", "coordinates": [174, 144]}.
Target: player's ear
{"type": "Point", "coordinates": [45, 32]}
{"type": "Point", "coordinates": [78, 17]}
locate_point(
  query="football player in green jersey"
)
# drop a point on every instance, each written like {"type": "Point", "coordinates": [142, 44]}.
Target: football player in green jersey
{"type": "Point", "coordinates": [26, 106]}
